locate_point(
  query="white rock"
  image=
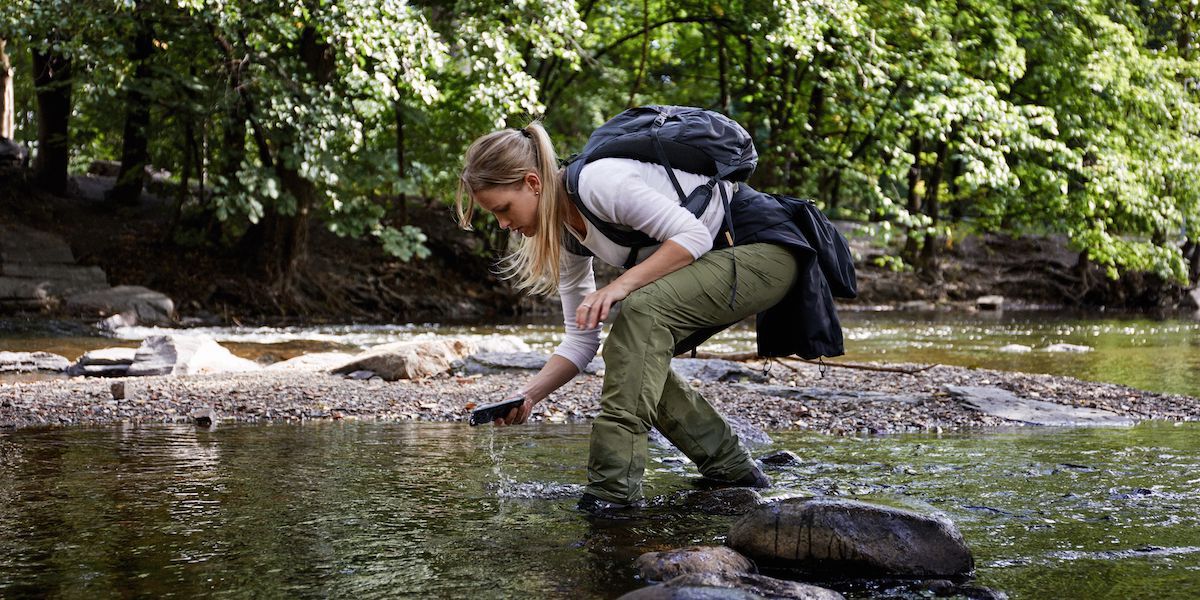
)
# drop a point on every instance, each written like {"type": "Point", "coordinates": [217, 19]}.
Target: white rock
{"type": "Point", "coordinates": [410, 360]}
{"type": "Point", "coordinates": [1016, 349]}
{"type": "Point", "coordinates": [108, 356]}
{"type": "Point", "coordinates": [501, 343]}
{"type": "Point", "coordinates": [1066, 348]}
{"type": "Point", "coordinates": [186, 355]}
{"type": "Point", "coordinates": [317, 361]}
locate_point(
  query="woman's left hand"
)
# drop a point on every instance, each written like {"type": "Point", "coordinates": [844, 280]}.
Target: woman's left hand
{"type": "Point", "coordinates": [596, 305]}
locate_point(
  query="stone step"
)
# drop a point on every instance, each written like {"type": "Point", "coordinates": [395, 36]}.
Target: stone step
{"type": "Point", "coordinates": [85, 276]}
{"type": "Point", "coordinates": [24, 245]}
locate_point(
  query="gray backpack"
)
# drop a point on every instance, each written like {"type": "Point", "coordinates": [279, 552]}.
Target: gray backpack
{"type": "Point", "coordinates": [693, 140]}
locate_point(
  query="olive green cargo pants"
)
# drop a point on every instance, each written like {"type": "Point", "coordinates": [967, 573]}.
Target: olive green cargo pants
{"type": "Point", "coordinates": [640, 389]}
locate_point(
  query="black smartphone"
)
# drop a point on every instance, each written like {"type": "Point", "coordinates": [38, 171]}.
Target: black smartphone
{"type": "Point", "coordinates": [491, 412]}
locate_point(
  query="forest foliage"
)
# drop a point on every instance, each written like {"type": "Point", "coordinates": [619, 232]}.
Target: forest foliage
{"type": "Point", "coordinates": [922, 118]}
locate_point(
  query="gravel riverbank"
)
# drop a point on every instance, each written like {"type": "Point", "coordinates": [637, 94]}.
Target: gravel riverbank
{"type": "Point", "coordinates": [843, 401]}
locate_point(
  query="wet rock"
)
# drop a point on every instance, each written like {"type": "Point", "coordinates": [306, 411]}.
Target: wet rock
{"type": "Point", "coordinates": [185, 355]}
{"type": "Point", "coordinates": [1006, 405]}
{"type": "Point", "coordinates": [1067, 348]}
{"type": "Point", "coordinates": [712, 586]}
{"type": "Point", "coordinates": [205, 417]}
{"type": "Point", "coordinates": [316, 361]}
{"type": "Point", "coordinates": [146, 305]}
{"type": "Point", "coordinates": [32, 361]}
{"type": "Point", "coordinates": [854, 538]}
{"type": "Point", "coordinates": [409, 360]}
{"type": "Point", "coordinates": [727, 501]}
{"type": "Point", "coordinates": [990, 303]}
{"type": "Point", "coordinates": [713, 370]}
{"type": "Point", "coordinates": [783, 458]}
{"type": "Point", "coordinates": [490, 363]}
{"type": "Point", "coordinates": [722, 560]}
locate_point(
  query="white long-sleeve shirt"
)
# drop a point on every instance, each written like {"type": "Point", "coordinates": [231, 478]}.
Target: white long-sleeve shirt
{"type": "Point", "coordinates": [638, 195]}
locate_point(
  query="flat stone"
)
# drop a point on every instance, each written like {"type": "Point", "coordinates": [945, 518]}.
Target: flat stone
{"type": "Point", "coordinates": [491, 363]}
{"type": "Point", "coordinates": [20, 244]}
{"type": "Point", "coordinates": [77, 370]}
{"type": "Point", "coordinates": [782, 458]}
{"type": "Point", "coordinates": [1006, 405]}
{"type": "Point", "coordinates": [186, 355]}
{"type": "Point", "coordinates": [316, 361]}
{"type": "Point", "coordinates": [852, 538]}
{"type": "Point", "coordinates": [32, 361]}
{"type": "Point", "coordinates": [108, 356]}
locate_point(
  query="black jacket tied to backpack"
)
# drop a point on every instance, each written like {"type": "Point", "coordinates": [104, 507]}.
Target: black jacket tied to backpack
{"type": "Point", "coordinates": [805, 322]}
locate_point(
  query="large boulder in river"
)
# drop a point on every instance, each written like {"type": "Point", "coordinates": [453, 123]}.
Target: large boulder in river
{"type": "Point", "coordinates": [737, 586]}
{"type": "Point", "coordinates": [145, 305]}
{"type": "Point", "coordinates": [186, 355]}
{"type": "Point", "coordinates": [661, 566]}
{"type": "Point", "coordinates": [32, 361]}
{"type": "Point", "coordinates": [409, 360]}
{"type": "Point", "coordinates": [316, 361]}
{"type": "Point", "coordinates": [855, 538]}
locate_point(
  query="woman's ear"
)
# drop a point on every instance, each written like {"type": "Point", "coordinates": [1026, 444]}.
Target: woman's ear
{"type": "Point", "coordinates": [534, 182]}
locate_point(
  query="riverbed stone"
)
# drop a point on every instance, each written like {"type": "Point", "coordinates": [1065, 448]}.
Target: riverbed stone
{"type": "Point", "coordinates": [852, 538]}
{"type": "Point", "coordinates": [32, 361]}
{"type": "Point", "coordinates": [726, 501]}
{"type": "Point", "coordinates": [144, 305]}
{"type": "Point", "coordinates": [738, 586]}
{"type": "Point", "coordinates": [105, 362]}
{"type": "Point", "coordinates": [722, 560]}
{"type": "Point", "coordinates": [186, 355]}
{"type": "Point", "coordinates": [1006, 405]}
{"type": "Point", "coordinates": [316, 361]}
{"type": "Point", "coordinates": [409, 360]}
{"type": "Point", "coordinates": [782, 458]}
{"type": "Point", "coordinates": [491, 363]}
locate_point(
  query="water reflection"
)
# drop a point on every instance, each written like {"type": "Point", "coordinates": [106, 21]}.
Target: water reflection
{"type": "Point", "coordinates": [380, 510]}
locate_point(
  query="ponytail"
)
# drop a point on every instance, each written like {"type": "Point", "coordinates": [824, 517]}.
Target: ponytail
{"type": "Point", "coordinates": [503, 158]}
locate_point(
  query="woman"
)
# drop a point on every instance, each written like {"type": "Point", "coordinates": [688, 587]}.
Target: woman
{"type": "Point", "coordinates": [674, 289]}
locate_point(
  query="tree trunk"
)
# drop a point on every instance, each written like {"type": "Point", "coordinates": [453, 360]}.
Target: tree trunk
{"type": "Point", "coordinates": [400, 169]}
{"type": "Point", "coordinates": [929, 252]}
{"type": "Point", "coordinates": [134, 151]}
{"type": "Point", "coordinates": [725, 101]}
{"type": "Point", "coordinates": [7, 112]}
{"type": "Point", "coordinates": [913, 199]}
{"type": "Point", "coordinates": [52, 80]}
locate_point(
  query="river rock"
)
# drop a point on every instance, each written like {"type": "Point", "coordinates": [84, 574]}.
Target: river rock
{"type": "Point", "coordinates": [738, 586]}
{"type": "Point", "coordinates": [1067, 348]}
{"type": "Point", "coordinates": [409, 360]}
{"type": "Point", "coordinates": [722, 560]}
{"type": "Point", "coordinates": [145, 305]}
{"type": "Point", "coordinates": [713, 370]}
{"type": "Point", "coordinates": [725, 501]}
{"type": "Point", "coordinates": [186, 355]}
{"type": "Point", "coordinates": [105, 362]}
{"type": "Point", "coordinates": [1006, 405]}
{"type": "Point", "coordinates": [1016, 349]}
{"type": "Point", "coordinates": [990, 303]}
{"type": "Point", "coordinates": [316, 361]}
{"type": "Point", "coordinates": [32, 361]}
{"type": "Point", "coordinates": [783, 458]}
{"type": "Point", "coordinates": [855, 538]}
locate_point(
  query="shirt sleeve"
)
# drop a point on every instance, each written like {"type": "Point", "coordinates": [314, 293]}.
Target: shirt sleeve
{"type": "Point", "coordinates": [620, 195]}
{"type": "Point", "coordinates": [575, 281]}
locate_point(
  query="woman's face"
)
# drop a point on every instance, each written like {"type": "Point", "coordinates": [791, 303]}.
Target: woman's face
{"type": "Point", "coordinates": [514, 206]}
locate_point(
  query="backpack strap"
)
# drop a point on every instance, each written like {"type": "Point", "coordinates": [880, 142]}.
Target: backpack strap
{"type": "Point", "coordinates": [662, 155]}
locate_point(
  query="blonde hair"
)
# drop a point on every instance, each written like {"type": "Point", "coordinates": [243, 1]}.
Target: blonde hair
{"type": "Point", "coordinates": [504, 158]}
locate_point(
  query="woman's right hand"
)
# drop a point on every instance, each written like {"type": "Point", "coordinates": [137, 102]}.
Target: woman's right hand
{"type": "Point", "coordinates": [518, 415]}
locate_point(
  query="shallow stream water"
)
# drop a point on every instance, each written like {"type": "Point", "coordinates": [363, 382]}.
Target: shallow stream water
{"type": "Point", "coordinates": [366, 510]}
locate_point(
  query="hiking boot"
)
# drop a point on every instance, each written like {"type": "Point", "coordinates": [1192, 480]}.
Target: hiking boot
{"type": "Point", "coordinates": [595, 506]}
{"type": "Point", "coordinates": [754, 479]}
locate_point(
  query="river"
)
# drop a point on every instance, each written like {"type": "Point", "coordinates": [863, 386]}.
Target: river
{"type": "Point", "coordinates": [369, 510]}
